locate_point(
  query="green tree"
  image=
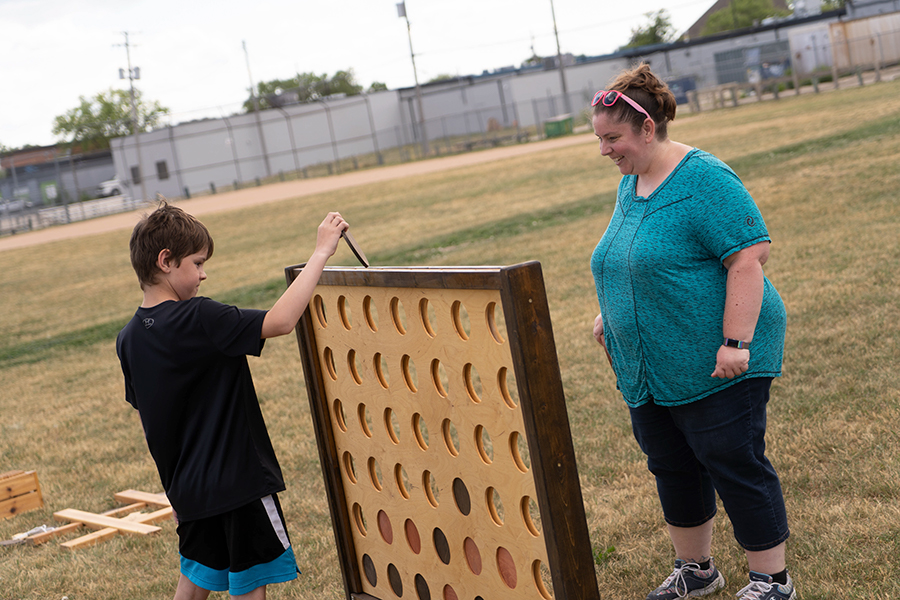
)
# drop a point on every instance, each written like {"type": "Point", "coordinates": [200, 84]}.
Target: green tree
{"type": "Point", "coordinates": [833, 4]}
{"type": "Point", "coordinates": [441, 77]}
{"type": "Point", "coordinates": [304, 87]}
{"type": "Point", "coordinates": [107, 115]}
{"type": "Point", "coordinates": [658, 30]}
{"type": "Point", "coordinates": [377, 86]}
{"type": "Point", "coordinates": [740, 14]}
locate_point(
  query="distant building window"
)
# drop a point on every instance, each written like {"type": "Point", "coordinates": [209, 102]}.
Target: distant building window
{"type": "Point", "coordinates": [162, 170]}
{"type": "Point", "coordinates": [136, 174]}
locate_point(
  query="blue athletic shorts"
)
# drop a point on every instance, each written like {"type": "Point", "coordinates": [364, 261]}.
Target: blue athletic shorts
{"type": "Point", "coordinates": [238, 551]}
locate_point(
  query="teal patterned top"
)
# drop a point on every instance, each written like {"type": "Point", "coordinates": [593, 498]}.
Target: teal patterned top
{"type": "Point", "coordinates": [661, 283]}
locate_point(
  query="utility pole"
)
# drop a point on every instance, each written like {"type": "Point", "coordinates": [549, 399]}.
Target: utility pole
{"type": "Point", "coordinates": [262, 138]}
{"type": "Point", "coordinates": [401, 11]}
{"type": "Point", "coordinates": [134, 73]}
{"type": "Point", "coordinates": [559, 59]}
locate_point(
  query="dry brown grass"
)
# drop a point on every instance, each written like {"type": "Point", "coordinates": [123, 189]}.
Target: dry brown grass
{"type": "Point", "coordinates": [824, 171]}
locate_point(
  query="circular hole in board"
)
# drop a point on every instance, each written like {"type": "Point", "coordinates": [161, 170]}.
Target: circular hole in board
{"type": "Point", "coordinates": [531, 515]}
{"type": "Point", "coordinates": [461, 496]}
{"type": "Point", "coordinates": [392, 425]}
{"type": "Point", "coordinates": [518, 448]}
{"type": "Point", "coordinates": [429, 319]}
{"type": "Point", "coordinates": [353, 364]}
{"type": "Point", "coordinates": [473, 382]}
{"type": "Point", "coordinates": [507, 568]}
{"type": "Point", "coordinates": [495, 323]}
{"type": "Point", "coordinates": [350, 467]}
{"type": "Point", "coordinates": [359, 520]}
{"type": "Point", "coordinates": [402, 480]}
{"type": "Point", "coordinates": [408, 367]}
{"type": "Point", "coordinates": [542, 580]}
{"type": "Point", "coordinates": [319, 309]}
{"type": "Point", "coordinates": [398, 315]}
{"type": "Point", "coordinates": [375, 474]}
{"type": "Point", "coordinates": [344, 312]}
{"type": "Point", "coordinates": [441, 546]}
{"type": "Point", "coordinates": [506, 381]}
{"type": "Point", "coordinates": [385, 528]}
{"type": "Point", "coordinates": [339, 416]}
{"type": "Point", "coordinates": [412, 536]}
{"type": "Point", "coordinates": [328, 357]}
{"type": "Point", "coordinates": [369, 570]}
{"type": "Point", "coordinates": [460, 317]}
{"type": "Point", "coordinates": [420, 430]}
{"type": "Point", "coordinates": [365, 420]}
{"type": "Point", "coordinates": [473, 555]}
{"type": "Point", "coordinates": [495, 506]}
{"type": "Point", "coordinates": [432, 492]}
{"type": "Point", "coordinates": [451, 437]}
{"type": "Point", "coordinates": [439, 378]}
{"type": "Point", "coordinates": [394, 580]}
{"type": "Point", "coordinates": [484, 444]}
{"type": "Point", "coordinates": [422, 590]}
{"type": "Point", "coordinates": [371, 313]}
{"type": "Point", "coordinates": [379, 362]}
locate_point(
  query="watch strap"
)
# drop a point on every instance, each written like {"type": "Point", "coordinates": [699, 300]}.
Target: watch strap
{"type": "Point", "coordinates": [736, 344]}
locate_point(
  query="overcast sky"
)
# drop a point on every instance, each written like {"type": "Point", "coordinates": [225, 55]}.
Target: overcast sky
{"type": "Point", "coordinates": [192, 60]}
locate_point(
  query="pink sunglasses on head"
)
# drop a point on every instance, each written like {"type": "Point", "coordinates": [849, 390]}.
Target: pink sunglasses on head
{"type": "Point", "coordinates": [609, 97]}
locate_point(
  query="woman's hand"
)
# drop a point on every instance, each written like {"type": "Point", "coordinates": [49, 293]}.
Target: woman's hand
{"type": "Point", "coordinates": [600, 336]}
{"type": "Point", "coordinates": [731, 362]}
{"type": "Point", "coordinates": [598, 331]}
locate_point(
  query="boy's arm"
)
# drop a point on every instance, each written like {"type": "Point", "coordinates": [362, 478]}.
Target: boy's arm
{"type": "Point", "coordinates": [283, 317]}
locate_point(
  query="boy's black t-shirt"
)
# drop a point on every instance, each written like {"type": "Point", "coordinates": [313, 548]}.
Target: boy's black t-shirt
{"type": "Point", "coordinates": [186, 371]}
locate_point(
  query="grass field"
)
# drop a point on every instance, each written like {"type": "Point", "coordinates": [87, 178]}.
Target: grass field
{"type": "Point", "coordinates": [825, 172]}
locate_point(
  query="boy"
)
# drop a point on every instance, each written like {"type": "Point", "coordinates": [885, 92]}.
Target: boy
{"type": "Point", "coordinates": [186, 372]}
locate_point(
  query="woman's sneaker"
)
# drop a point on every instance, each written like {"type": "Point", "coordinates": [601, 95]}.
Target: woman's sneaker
{"type": "Point", "coordinates": [688, 581]}
{"type": "Point", "coordinates": [763, 587]}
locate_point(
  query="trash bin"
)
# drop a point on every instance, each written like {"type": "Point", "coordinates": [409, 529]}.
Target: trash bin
{"type": "Point", "coordinates": [558, 126]}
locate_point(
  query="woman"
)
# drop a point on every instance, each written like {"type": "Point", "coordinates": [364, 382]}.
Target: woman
{"type": "Point", "coordinates": [679, 276]}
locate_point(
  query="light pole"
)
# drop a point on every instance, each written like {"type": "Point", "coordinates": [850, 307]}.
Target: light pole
{"type": "Point", "coordinates": [401, 12]}
{"type": "Point", "coordinates": [134, 73]}
{"type": "Point", "coordinates": [559, 59]}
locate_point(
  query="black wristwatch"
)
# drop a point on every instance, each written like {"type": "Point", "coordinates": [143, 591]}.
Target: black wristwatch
{"type": "Point", "coordinates": [736, 344]}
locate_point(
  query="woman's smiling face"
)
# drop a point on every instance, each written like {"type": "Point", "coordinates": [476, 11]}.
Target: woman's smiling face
{"type": "Point", "coordinates": [620, 143]}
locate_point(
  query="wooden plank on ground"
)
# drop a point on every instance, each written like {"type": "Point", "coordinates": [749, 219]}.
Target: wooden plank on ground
{"type": "Point", "coordinates": [19, 492]}
{"type": "Point", "coordinates": [138, 496]}
{"type": "Point", "coordinates": [40, 538]}
{"type": "Point", "coordinates": [108, 532]}
{"type": "Point", "coordinates": [14, 506]}
{"type": "Point", "coordinates": [102, 521]}
{"type": "Point", "coordinates": [18, 484]}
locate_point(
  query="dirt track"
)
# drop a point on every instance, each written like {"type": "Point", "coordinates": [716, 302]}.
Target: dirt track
{"type": "Point", "coordinates": [289, 189]}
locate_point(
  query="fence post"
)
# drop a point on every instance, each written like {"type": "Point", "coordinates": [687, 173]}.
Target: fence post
{"type": "Point", "coordinates": [796, 74]}
{"type": "Point", "coordinates": [876, 52]}
{"type": "Point", "coordinates": [372, 128]}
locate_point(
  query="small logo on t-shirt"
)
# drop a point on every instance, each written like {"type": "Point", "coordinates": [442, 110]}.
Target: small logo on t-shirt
{"type": "Point", "coordinates": [750, 221]}
{"type": "Point", "coordinates": [148, 323]}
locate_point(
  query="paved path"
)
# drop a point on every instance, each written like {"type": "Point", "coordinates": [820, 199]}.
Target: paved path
{"type": "Point", "coordinates": [288, 189]}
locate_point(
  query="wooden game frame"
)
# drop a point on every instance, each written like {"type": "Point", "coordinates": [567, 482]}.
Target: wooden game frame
{"type": "Point", "coordinates": [343, 300]}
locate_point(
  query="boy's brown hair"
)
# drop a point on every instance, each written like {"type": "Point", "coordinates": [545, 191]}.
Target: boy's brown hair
{"type": "Point", "coordinates": [166, 228]}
